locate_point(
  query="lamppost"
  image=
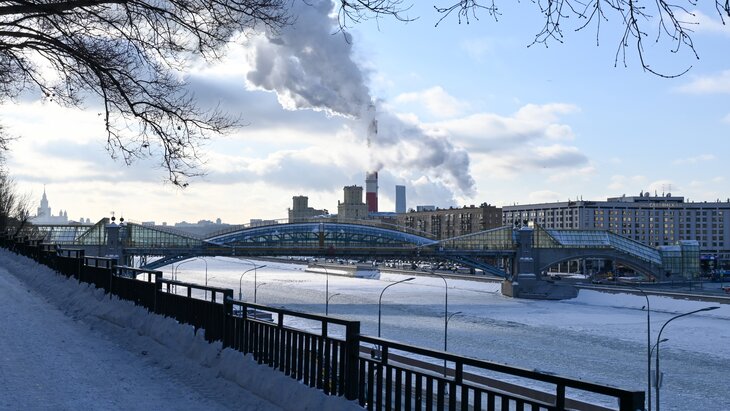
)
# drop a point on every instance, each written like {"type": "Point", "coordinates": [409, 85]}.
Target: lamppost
{"type": "Point", "coordinates": [240, 281]}
{"type": "Point", "coordinates": [255, 276]}
{"type": "Point", "coordinates": [326, 288]}
{"type": "Point", "coordinates": [380, 299]}
{"type": "Point", "coordinates": [656, 344]}
{"type": "Point", "coordinates": [648, 347]}
{"type": "Point", "coordinates": [254, 294]}
{"type": "Point", "coordinates": [175, 268]}
{"type": "Point", "coordinates": [446, 309]}
{"type": "Point", "coordinates": [446, 327]}
{"type": "Point", "coordinates": [330, 297]}
{"type": "Point", "coordinates": [658, 340]}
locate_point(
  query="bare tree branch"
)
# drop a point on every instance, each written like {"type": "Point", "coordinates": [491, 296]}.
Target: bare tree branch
{"type": "Point", "coordinates": [633, 15]}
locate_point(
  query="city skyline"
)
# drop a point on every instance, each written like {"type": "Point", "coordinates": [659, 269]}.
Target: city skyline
{"type": "Point", "coordinates": [467, 114]}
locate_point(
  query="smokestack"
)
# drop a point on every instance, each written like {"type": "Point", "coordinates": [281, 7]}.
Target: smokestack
{"type": "Point", "coordinates": [371, 191]}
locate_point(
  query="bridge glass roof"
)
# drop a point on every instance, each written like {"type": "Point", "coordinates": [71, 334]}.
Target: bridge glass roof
{"type": "Point", "coordinates": [55, 234]}
{"type": "Point", "coordinates": [315, 235]}
{"type": "Point", "coordinates": [96, 235]}
{"type": "Point", "coordinates": [501, 238]}
{"type": "Point", "coordinates": [603, 239]}
{"type": "Point", "coordinates": [141, 236]}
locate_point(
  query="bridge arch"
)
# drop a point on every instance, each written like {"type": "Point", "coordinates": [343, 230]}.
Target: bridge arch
{"type": "Point", "coordinates": [317, 235]}
{"type": "Point", "coordinates": [562, 255]}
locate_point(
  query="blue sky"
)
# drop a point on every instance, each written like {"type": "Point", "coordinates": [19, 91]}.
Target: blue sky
{"type": "Point", "coordinates": [467, 114]}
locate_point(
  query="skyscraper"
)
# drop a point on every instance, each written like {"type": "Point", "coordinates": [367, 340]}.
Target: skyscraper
{"type": "Point", "coordinates": [400, 199]}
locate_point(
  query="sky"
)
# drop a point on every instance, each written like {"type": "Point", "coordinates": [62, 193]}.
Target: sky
{"type": "Point", "coordinates": [466, 113]}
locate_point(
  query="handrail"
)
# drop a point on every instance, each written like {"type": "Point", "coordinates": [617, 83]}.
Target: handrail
{"type": "Point", "coordinates": [534, 374]}
{"type": "Point", "coordinates": [284, 311]}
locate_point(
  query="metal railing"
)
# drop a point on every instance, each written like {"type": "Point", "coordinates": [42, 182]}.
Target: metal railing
{"type": "Point", "coordinates": [397, 384]}
{"type": "Point", "coordinates": [327, 356]}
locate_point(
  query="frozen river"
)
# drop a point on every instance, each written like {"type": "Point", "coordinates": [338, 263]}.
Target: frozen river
{"type": "Point", "coordinates": [598, 337]}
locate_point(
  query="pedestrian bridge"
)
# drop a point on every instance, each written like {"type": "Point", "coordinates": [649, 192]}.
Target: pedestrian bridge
{"type": "Point", "coordinates": [494, 250]}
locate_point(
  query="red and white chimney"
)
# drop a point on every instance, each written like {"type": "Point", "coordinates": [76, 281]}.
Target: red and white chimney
{"type": "Point", "coordinates": [371, 191]}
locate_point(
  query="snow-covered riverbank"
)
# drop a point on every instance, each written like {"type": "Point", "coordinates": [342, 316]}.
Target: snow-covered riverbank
{"type": "Point", "coordinates": [66, 346]}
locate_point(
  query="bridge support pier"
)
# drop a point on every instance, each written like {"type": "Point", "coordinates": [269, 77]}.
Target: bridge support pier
{"type": "Point", "coordinates": [528, 282]}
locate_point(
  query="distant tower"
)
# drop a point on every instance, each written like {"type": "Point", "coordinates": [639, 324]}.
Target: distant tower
{"type": "Point", "coordinates": [44, 210]}
{"type": "Point", "coordinates": [352, 208]}
{"type": "Point", "coordinates": [371, 191]}
{"type": "Point", "coordinates": [400, 199]}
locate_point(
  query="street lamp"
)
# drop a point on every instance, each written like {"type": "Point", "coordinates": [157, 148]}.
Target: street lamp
{"type": "Point", "coordinates": [240, 280]}
{"type": "Point", "coordinates": [380, 299]}
{"type": "Point", "coordinates": [255, 277]}
{"type": "Point", "coordinates": [254, 294]}
{"type": "Point", "coordinates": [332, 296]}
{"type": "Point", "coordinates": [648, 347]}
{"type": "Point", "coordinates": [446, 327]}
{"type": "Point", "coordinates": [326, 288]}
{"type": "Point", "coordinates": [446, 308]}
{"type": "Point", "coordinates": [175, 268]}
{"type": "Point", "coordinates": [658, 340]}
{"type": "Point", "coordinates": [657, 344]}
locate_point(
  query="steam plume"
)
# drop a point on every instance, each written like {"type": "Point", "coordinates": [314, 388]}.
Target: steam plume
{"type": "Point", "coordinates": [309, 67]}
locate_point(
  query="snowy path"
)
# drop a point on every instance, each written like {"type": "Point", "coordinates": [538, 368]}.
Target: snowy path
{"type": "Point", "coordinates": [97, 353]}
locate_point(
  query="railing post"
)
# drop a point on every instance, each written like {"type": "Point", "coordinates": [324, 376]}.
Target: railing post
{"type": "Point", "coordinates": [157, 290]}
{"type": "Point", "coordinates": [352, 360]}
{"type": "Point", "coordinates": [227, 317]}
{"type": "Point", "coordinates": [632, 401]}
{"type": "Point", "coordinates": [560, 397]}
{"type": "Point", "coordinates": [80, 264]}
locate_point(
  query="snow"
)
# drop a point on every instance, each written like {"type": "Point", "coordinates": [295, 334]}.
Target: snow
{"type": "Point", "coordinates": [66, 345]}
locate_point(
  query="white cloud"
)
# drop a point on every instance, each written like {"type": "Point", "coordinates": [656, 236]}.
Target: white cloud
{"type": "Point", "coordinates": [583, 173]}
{"type": "Point", "coordinates": [478, 48]}
{"type": "Point", "coordinates": [700, 22]}
{"type": "Point", "coordinates": [621, 182]}
{"type": "Point", "coordinates": [695, 159]}
{"type": "Point", "coordinates": [710, 84]}
{"type": "Point", "coordinates": [726, 119]}
{"type": "Point", "coordinates": [662, 187]}
{"type": "Point", "coordinates": [437, 101]}
{"type": "Point", "coordinates": [544, 196]}
{"type": "Point", "coordinates": [490, 132]}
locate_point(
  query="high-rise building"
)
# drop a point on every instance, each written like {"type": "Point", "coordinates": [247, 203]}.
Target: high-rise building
{"type": "Point", "coordinates": [371, 188]}
{"type": "Point", "coordinates": [400, 199]}
{"type": "Point", "coordinates": [352, 208]}
{"type": "Point", "coordinates": [652, 220]}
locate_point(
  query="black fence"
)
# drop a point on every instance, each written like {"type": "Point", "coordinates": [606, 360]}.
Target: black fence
{"type": "Point", "coordinates": [329, 353]}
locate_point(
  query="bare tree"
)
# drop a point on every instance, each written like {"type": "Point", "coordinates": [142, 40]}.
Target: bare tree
{"type": "Point", "coordinates": [14, 207]}
{"type": "Point", "coordinates": [128, 55]}
{"type": "Point", "coordinates": [674, 20]}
